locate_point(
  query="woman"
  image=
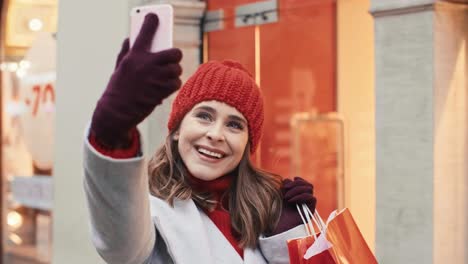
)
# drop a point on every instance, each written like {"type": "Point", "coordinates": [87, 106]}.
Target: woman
{"type": "Point", "coordinates": [205, 201]}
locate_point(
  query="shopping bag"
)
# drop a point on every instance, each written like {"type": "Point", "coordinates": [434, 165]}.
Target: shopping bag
{"type": "Point", "coordinates": [348, 244]}
{"type": "Point", "coordinates": [298, 247]}
{"type": "Point", "coordinates": [339, 241]}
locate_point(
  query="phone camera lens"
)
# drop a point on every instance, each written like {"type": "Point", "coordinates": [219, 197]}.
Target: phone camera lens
{"type": "Point", "coordinates": [138, 11]}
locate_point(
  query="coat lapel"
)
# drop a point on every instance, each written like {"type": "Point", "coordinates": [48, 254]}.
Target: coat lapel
{"type": "Point", "coordinates": [191, 236]}
{"type": "Point", "coordinates": [182, 230]}
{"type": "Point", "coordinates": [223, 252]}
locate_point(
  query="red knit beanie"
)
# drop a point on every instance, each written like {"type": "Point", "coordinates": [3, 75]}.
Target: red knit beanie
{"type": "Point", "coordinates": [227, 82]}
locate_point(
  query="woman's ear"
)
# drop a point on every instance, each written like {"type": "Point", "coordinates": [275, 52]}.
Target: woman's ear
{"type": "Point", "coordinates": [175, 136]}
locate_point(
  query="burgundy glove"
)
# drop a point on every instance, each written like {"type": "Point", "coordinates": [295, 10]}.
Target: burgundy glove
{"type": "Point", "coordinates": [141, 81]}
{"type": "Point", "coordinates": [297, 191]}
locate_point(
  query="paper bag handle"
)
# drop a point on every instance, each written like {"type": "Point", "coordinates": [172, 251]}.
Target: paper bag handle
{"type": "Point", "coordinates": [307, 218]}
{"type": "Point", "coordinates": [316, 217]}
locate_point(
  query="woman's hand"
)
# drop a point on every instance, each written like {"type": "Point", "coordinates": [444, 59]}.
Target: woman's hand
{"type": "Point", "coordinates": [294, 192]}
{"type": "Point", "coordinates": [141, 81]}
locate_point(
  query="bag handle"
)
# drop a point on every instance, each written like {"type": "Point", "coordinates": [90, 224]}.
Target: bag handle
{"type": "Point", "coordinates": [307, 218]}
{"type": "Point", "coordinates": [316, 217]}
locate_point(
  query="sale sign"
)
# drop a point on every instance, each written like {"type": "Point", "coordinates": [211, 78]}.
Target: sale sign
{"type": "Point", "coordinates": [33, 191]}
{"type": "Point", "coordinates": [37, 90]}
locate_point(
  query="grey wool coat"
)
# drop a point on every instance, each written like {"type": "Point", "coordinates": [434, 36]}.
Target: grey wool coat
{"type": "Point", "coordinates": [129, 226]}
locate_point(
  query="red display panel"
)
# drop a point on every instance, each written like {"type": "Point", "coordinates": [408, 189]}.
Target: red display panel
{"type": "Point", "coordinates": [296, 58]}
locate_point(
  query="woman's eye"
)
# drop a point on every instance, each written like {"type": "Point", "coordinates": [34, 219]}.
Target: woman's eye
{"type": "Point", "coordinates": [204, 116]}
{"type": "Point", "coordinates": [236, 125]}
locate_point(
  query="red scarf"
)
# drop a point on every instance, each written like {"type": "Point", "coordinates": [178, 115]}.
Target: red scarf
{"type": "Point", "coordinates": [220, 215]}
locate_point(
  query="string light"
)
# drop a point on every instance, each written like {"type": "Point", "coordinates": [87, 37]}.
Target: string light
{"type": "Point", "coordinates": [25, 64]}
{"type": "Point", "coordinates": [12, 67]}
{"type": "Point", "coordinates": [15, 239]}
{"type": "Point", "coordinates": [14, 219]}
{"type": "Point", "coordinates": [35, 24]}
{"type": "Point", "coordinates": [20, 68]}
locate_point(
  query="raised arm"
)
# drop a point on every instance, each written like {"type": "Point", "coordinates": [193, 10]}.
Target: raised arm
{"type": "Point", "coordinates": [117, 195]}
{"type": "Point", "coordinates": [116, 182]}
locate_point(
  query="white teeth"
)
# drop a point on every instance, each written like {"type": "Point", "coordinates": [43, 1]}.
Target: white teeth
{"type": "Point", "coordinates": [207, 152]}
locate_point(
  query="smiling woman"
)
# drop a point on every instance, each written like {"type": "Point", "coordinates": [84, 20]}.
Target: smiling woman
{"type": "Point", "coordinates": [214, 129]}
{"type": "Point", "coordinates": [211, 140]}
{"type": "Point", "coordinates": [204, 188]}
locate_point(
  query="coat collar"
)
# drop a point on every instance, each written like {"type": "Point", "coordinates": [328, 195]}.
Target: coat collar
{"type": "Point", "coordinates": [191, 237]}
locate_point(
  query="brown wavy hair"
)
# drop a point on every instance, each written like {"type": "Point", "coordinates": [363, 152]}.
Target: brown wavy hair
{"type": "Point", "coordinates": [254, 197]}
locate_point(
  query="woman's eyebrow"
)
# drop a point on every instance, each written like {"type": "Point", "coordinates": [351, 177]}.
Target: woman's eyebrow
{"type": "Point", "coordinates": [238, 118]}
{"type": "Point", "coordinates": [206, 108]}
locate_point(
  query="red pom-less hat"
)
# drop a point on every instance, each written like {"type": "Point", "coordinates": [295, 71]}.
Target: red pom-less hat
{"type": "Point", "coordinates": [227, 82]}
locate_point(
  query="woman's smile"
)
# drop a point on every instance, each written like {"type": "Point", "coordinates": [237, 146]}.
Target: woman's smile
{"type": "Point", "coordinates": [209, 154]}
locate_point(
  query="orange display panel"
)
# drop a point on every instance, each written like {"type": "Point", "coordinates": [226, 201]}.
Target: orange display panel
{"type": "Point", "coordinates": [296, 63]}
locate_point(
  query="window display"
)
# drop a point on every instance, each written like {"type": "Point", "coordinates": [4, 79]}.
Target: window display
{"type": "Point", "coordinates": [296, 73]}
{"type": "Point", "coordinates": [28, 135]}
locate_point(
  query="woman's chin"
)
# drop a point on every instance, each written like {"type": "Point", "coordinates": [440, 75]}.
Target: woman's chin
{"type": "Point", "coordinates": [205, 177]}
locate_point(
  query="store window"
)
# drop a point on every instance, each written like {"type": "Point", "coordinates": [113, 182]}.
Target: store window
{"type": "Point", "coordinates": [28, 74]}
{"type": "Point", "coordinates": [294, 61]}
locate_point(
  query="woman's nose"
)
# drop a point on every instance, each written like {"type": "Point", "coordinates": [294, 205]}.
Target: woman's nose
{"type": "Point", "coordinates": [215, 132]}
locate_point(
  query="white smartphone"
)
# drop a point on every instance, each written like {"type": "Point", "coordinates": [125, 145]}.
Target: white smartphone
{"type": "Point", "coordinates": [163, 38]}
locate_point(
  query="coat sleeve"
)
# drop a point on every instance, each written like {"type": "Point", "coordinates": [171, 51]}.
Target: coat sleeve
{"type": "Point", "coordinates": [275, 249]}
{"type": "Point", "coordinates": [117, 195]}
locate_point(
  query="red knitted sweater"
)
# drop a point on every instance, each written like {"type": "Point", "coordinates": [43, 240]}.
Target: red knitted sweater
{"type": "Point", "coordinates": [220, 215]}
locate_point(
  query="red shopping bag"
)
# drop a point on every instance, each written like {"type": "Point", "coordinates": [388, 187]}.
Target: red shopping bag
{"type": "Point", "coordinates": [344, 243]}
{"type": "Point", "coordinates": [348, 243]}
{"type": "Point", "coordinates": [298, 247]}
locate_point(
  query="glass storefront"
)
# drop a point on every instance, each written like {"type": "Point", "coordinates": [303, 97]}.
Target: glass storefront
{"type": "Point", "coordinates": [294, 61]}
{"type": "Point", "coordinates": [28, 76]}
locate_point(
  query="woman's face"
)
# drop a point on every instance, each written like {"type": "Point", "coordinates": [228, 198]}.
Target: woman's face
{"type": "Point", "coordinates": [212, 138]}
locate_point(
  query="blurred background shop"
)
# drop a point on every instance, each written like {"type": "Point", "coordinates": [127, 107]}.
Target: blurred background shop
{"type": "Point", "coordinates": [365, 98]}
{"type": "Point", "coordinates": [28, 73]}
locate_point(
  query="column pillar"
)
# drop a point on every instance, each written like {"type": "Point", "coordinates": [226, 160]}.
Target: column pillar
{"type": "Point", "coordinates": [89, 38]}
{"type": "Point", "coordinates": [450, 133]}
{"type": "Point", "coordinates": [421, 131]}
